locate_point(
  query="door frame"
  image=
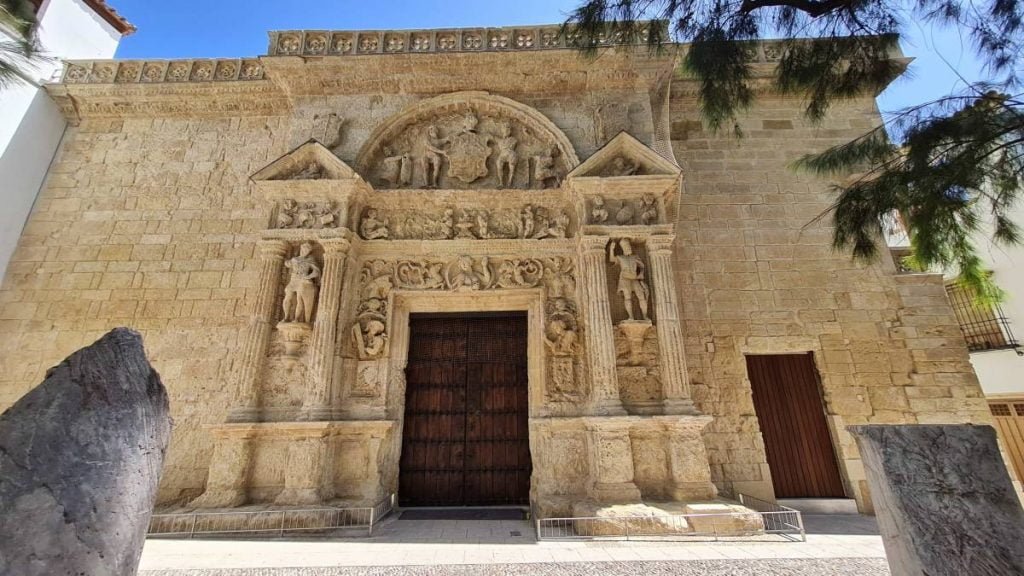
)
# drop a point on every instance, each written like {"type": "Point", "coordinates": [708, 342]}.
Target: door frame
{"type": "Point", "coordinates": [404, 303]}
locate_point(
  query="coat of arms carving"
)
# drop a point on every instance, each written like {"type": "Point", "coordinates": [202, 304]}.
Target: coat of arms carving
{"type": "Point", "coordinates": [468, 152]}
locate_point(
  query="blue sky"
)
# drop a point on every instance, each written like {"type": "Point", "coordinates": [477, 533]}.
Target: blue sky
{"type": "Point", "coordinates": [230, 28]}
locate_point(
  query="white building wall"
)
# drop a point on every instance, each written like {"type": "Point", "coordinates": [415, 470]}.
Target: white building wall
{"type": "Point", "coordinates": [30, 124]}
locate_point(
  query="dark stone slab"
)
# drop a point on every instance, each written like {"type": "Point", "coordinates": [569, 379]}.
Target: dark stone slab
{"type": "Point", "coordinates": [944, 500]}
{"type": "Point", "coordinates": [80, 458]}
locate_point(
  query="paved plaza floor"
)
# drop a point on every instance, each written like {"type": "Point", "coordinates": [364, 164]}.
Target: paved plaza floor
{"type": "Point", "coordinates": [848, 545]}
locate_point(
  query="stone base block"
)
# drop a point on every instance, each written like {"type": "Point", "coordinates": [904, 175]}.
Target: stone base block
{"type": "Point", "coordinates": [665, 519]}
{"type": "Point", "coordinates": [724, 519]}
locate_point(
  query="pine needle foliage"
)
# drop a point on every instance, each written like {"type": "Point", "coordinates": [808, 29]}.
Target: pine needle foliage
{"type": "Point", "coordinates": [19, 48]}
{"type": "Point", "coordinates": [951, 168]}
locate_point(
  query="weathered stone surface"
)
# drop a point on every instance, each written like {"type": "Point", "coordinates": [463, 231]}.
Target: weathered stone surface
{"type": "Point", "coordinates": [653, 518]}
{"type": "Point", "coordinates": [80, 458]}
{"type": "Point", "coordinates": [943, 498]}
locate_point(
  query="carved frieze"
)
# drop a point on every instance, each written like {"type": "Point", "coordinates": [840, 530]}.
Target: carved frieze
{"type": "Point", "coordinates": [306, 215]}
{"type": "Point", "coordinates": [624, 212]}
{"type": "Point", "coordinates": [157, 71]}
{"type": "Point", "coordinates": [529, 222]}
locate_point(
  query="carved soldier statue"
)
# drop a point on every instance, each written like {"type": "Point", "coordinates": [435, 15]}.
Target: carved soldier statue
{"type": "Point", "coordinates": [300, 292]}
{"type": "Point", "coordinates": [507, 156]}
{"type": "Point", "coordinates": [631, 277]}
{"type": "Point", "coordinates": [430, 156]}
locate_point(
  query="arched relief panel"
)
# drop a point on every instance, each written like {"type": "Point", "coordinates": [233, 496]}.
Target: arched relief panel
{"type": "Point", "coordinates": [467, 140]}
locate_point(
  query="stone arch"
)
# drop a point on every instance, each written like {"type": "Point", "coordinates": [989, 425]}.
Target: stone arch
{"type": "Point", "coordinates": [396, 136]}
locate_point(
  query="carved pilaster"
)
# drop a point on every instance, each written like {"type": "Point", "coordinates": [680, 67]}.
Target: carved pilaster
{"type": "Point", "coordinates": [611, 462]}
{"type": "Point", "coordinates": [688, 459]}
{"type": "Point", "coordinates": [676, 387]}
{"type": "Point", "coordinates": [316, 404]}
{"type": "Point", "coordinates": [257, 338]}
{"type": "Point", "coordinates": [600, 338]}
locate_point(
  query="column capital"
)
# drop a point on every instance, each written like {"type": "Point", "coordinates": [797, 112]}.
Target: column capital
{"type": "Point", "coordinates": [594, 243]}
{"type": "Point", "coordinates": [273, 248]}
{"type": "Point", "coordinates": [336, 246]}
{"type": "Point", "coordinates": [660, 243]}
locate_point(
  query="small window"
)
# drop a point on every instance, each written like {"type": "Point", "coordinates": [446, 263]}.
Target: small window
{"type": "Point", "coordinates": [984, 326]}
{"type": "Point", "coordinates": [1019, 408]}
{"type": "Point", "coordinates": [1000, 409]}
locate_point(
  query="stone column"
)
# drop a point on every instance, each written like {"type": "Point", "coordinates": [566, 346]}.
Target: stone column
{"type": "Point", "coordinates": [316, 404]}
{"type": "Point", "coordinates": [600, 338]}
{"type": "Point", "coordinates": [675, 384]}
{"type": "Point", "coordinates": [689, 472]}
{"type": "Point", "coordinates": [257, 337]}
{"type": "Point", "coordinates": [611, 461]}
{"type": "Point", "coordinates": [304, 476]}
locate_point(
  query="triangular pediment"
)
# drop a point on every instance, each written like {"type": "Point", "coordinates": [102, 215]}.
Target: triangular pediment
{"type": "Point", "coordinates": [625, 156]}
{"type": "Point", "coordinates": [310, 161]}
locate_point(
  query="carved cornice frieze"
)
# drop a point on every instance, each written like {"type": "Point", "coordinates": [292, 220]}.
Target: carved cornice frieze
{"type": "Point", "coordinates": [161, 71]}
{"type": "Point", "coordinates": [517, 38]}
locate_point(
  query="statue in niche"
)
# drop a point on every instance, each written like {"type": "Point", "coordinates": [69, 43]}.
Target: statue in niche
{"type": "Point", "coordinates": [447, 223]}
{"type": "Point", "coordinates": [372, 228]}
{"type": "Point", "coordinates": [507, 156]}
{"type": "Point", "coordinates": [631, 278]}
{"type": "Point", "coordinates": [598, 213]}
{"type": "Point", "coordinates": [300, 292]}
{"type": "Point", "coordinates": [622, 166]}
{"type": "Point", "coordinates": [430, 155]}
{"type": "Point", "coordinates": [312, 171]}
{"type": "Point", "coordinates": [482, 225]}
{"type": "Point", "coordinates": [397, 168]}
{"type": "Point", "coordinates": [468, 152]}
{"type": "Point", "coordinates": [370, 338]}
{"type": "Point", "coordinates": [464, 227]}
{"type": "Point", "coordinates": [545, 175]}
{"type": "Point", "coordinates": [648, 210]}
{"type": "Point", "coordinates": [527, 221]}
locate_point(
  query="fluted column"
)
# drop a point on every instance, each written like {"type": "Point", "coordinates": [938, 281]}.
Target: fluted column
{"type": "Point", "coordinates": [599, 335]}
{"type": "Point", "coordinates": [675, 383]}
{"type": "Point", "coordinates": [316, 404]}
{"type": "Point", "coordinates": [257, 337]}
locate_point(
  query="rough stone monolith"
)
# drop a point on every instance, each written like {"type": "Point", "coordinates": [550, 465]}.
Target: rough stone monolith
{"type": "Point", "coordinates": [943, 498]}
{"type": "Point", "coordinates": [80, 458]}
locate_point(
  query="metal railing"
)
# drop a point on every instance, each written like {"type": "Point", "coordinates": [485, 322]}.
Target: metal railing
{"type": "Point", "coordinates": [279, 522]}
{"type": "Point", "coordinates": [764, 519]}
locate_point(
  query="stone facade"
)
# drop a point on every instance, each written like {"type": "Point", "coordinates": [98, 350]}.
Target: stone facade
{"type": "Point", "coordinates": [270, 224]}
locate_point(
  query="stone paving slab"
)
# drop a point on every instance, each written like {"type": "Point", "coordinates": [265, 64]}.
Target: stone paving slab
{"type": "Point", "coordinates": [761, 567]}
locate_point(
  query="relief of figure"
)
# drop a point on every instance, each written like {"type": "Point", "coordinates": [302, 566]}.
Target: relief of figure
{"type": "Point", "coordinates": [447, 224]}
{"type": "Point", "coordinates": [561, 339]}
{"type": "Point", "coordinates": [631, 278]}
{"type": "Point", "coordinates": [559, 277]}
{"type": "Point", "coordinates": [462, 275]}
{"type": "Point", "coordinates": [305, 217]}
{"type": "Point", "coordinates": [464, 227]}
{"type": "Point", "coordinates": [625, 214]}
{"type": "Point", "coordinates": [648, 210]}
{"type": "Point", "coordinates": [300, 292]}
{"type": "Point", "coordinates": [545, 175]}
{"type": "Point", "coordinates": [598, 212]}
{"type": "Point", "coordinates": [325, 216]}
{"type": "Point", "coordinates": [556, 227]}
{"type": "Point", "coordinates": [397, 168]}
{"type": "Point", "coordinates": [312, 171]}
{"type": "Point", "coordinates": [434, 278]}
{"type": "Point", "coordinates": [507, 156]}
{"type": "Point", "coordinates": [372, 228]}
{"type": "Point", "coordinates": [370, 338]}
{"type": "Point", "coordinates": [431, 153]}
{"type": "Point", "coordinates": [286, 214]}
{"type": "Point", "coordinates": [482, 225]}
{"type": "Point", "coordinates": [527, 221]}
{"type": "Point", "coordinates": [622, 166]}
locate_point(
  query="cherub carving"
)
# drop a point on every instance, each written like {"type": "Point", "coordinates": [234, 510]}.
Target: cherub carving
{"type": "Point", "coordinates": [561, 339]}
{"type": "Point", "coordinates": [557, 227]}
{"type": "Point", "coordinates": [482, 225]}
{"type": "Point", "coordinates": [286, 214]}
{"type": "Point", "coordinates": [325, 216]}
{"type": "Point", "coordinates": [648, 210]}
{"type": "Point", "coordinates": [507, 156]}
{"type": "Point", "coordinates": [462, 275]}
{"type": "Point", "coordinates": [631, 277]}
{"type": "Point", "coordinates": [598, 212]}
{"type": "Point", "coordinates": [369, 338]}
{"type": "Point", "coordinates": [372, 228]}
{"type": "Point", "coordinates": [312, 171]}
{"type": "Point", "coordinates": [622, 166]}
{"type": "Point", "coordinates": [527, 221]}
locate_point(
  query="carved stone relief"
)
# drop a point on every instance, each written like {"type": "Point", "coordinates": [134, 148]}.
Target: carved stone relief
{"type": "Point", "coordinates": [563, 343]}
{"type": "Point", "coordinates": [624, 212]}
{"type": "Point", "coordinates": [306, 215]}
{"type": "Point", "coordinates": [467, 148]}
{"type": "Point", "coordinates": [530, 222]}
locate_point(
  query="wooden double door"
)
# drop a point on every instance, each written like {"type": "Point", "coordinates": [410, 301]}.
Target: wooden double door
{"type": "Point", "coordinates": [791, 413]}
{"type": "Point", "coordinates": [465, 439]}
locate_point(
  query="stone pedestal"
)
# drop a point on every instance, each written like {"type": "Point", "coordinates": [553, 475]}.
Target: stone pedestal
{"type": "Point", "coordinates": [304, 477]}
{"type": "Point", "coordinates": [600, 339]}
{"type": "Point", "coordinates": [943, 498]}
{"type": "Point", "coordinates": [688, 459]}
{"type": "Point", "coordinates": [229, 474]}
{"type": "Point", "coordinates": [635, 331]}
{"type": "Point", "coordinates": [611, 461]}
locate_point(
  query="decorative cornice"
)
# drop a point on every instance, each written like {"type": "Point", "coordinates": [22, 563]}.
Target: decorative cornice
{"type": "Point", "coordinates": [513, 38]}
{"type": "Point", "coordinates": [161, 71]}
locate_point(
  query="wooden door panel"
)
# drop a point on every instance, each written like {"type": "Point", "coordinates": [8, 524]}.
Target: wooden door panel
{"type": "Point", "coordinates": [465, 436]}
{"type": "Point", "coordinates": [798, 445]}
